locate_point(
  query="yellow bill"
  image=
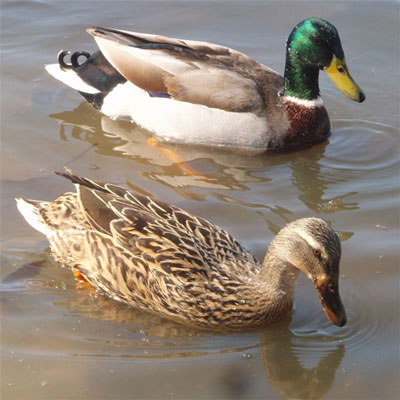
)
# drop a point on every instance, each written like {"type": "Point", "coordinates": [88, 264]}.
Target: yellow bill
{"type": "Point", "coordinates": [340, 76]}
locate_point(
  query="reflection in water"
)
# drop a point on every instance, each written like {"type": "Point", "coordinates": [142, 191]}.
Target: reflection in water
{"type": "Point", "coordinates": [282, 352]}
{"type": "Point", "coordinates": [313, 182]}
{"type": "Point", "coordinates": [209, 168]}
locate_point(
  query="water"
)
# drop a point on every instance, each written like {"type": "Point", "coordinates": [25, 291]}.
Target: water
{"type": "Point", "coordinates": [60, 342]}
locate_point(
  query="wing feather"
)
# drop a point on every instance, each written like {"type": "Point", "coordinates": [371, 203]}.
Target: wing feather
{"type": "Point", "coordinates": [190, 71]}
{"type": "Point", "coordinates": [165, 237]}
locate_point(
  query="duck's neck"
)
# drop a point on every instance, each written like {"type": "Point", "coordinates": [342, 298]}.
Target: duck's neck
{"type": "Point", "coordinates": [300, 79]}
{"type": "Point", "coordinates": [278, 276]}
{"type": "Point", "coordinates": [266, 296]}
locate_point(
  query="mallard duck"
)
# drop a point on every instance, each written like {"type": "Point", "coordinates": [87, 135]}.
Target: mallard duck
{"type": "Point", "coordinates": [200, 93]}
{"type": "Point", "coordinates": [159, 257]}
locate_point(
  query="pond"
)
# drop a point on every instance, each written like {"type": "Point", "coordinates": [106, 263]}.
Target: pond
{"type": "Point", "coordinates": [58, 341]}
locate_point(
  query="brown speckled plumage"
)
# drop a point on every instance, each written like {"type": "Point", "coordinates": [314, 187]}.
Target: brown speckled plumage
{"type": "Point", "coordinates": [152, 255]}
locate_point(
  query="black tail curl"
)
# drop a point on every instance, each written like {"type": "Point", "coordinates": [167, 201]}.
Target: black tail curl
{"type": "Point", "coordinates": [74, 59]}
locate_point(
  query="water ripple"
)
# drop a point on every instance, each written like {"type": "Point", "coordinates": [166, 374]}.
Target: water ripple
{"type": "Point", "coordinates": [358, 146]}
{"type": "Point", "coordinates": [364, 325]}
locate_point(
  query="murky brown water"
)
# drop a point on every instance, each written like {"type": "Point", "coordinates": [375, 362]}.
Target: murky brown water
{"type": "Point", "coordinates": [58, 342]}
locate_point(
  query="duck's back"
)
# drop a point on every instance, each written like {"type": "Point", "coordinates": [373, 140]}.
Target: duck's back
{"type": "Point", "coordinates": [141, 251]}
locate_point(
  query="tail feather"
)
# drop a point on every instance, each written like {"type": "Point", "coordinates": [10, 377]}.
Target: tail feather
{"type": "Point", "coordinates": [94, 78]}
{"type": "Point", "coordinates": [78, 180]}
{"type": "Point", "coordinates": [70, 78]}
{"type": "Point", "coordinates": [30, 210]}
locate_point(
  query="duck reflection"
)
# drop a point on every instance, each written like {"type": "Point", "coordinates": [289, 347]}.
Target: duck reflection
{"type": "Point", "coordinates": [281, 351]}
{"type": "Point", "coordinates": [141, 334]}
{"type": "Point", "coordinates": [186, 168]}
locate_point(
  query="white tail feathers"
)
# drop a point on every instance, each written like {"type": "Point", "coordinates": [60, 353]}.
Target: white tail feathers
{"type": "Point", "coordinates": [70, 78]}
{"type": "Point", "coordinates": [30, 210]}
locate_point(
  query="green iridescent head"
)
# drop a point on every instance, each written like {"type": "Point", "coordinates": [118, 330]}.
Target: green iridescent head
{"type": "Point", "coordinates": [314, 44]}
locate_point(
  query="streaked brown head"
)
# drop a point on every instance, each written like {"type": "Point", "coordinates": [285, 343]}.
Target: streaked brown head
{"type": "Point", "coordinates": [313, 247]}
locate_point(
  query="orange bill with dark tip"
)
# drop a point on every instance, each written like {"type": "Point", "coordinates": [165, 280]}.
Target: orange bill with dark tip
{"type": "Point", "coordinates": [328, 292]}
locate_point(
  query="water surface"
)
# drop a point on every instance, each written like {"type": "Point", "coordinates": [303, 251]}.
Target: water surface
{"type": "Point", "coordinates": [60, 342]}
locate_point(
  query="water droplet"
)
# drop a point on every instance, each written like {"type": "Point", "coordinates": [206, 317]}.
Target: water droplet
{"type": "Point", "coordinates": [44, 383]}
{"type": "Point", "coordinates": [382, 227]}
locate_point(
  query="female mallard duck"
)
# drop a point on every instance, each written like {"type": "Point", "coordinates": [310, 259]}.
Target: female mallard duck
{"type": "Point", "coordinates": [200, 93]}
{"type": "Point", "coordinates": [149, 254]}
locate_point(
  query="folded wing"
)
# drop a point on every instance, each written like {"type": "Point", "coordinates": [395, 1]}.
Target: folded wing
{"type": "Point", "coordinates": [190, 71]}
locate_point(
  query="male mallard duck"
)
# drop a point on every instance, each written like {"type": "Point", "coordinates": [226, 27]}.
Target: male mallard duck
{"type": "Point", "coordinates": [152, 255]}
{"type": "Point", "coordinates": [200, 93]}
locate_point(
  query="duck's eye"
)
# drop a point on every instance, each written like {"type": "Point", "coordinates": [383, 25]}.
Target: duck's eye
{"type": "Point", "coordinates": [341, 70]}
{"type": "Point", "coordinates": [315, 39]}
{"type": "Point", "coordinates": [317, 252]}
